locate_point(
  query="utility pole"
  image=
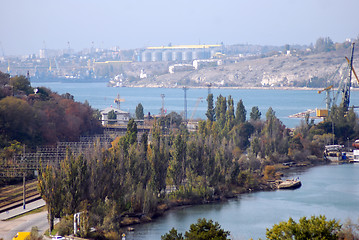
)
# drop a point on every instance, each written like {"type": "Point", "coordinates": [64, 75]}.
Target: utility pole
{"type": "Point", "coordinates": [185, 103]}
{"type": "Point", "coordinates": [163, 105]}
{"type": "Point", "coordinates": [24, 191]}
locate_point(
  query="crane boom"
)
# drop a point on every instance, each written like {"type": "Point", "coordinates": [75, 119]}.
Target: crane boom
{"type": "Point", "coordinates": [355, 74]}
{"type": "Point", "coordinates": [195, 108]}
{"type": "Point", "coordinates": [346, 89]}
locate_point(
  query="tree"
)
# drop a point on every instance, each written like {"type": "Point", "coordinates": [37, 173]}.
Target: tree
{"type": "Point", "coordinates": [4, 78]}
{"type": "Point", "coordinates": [255, 114]}
{"type": "Point", "coordinates": [111, 115]}
{"type": "Point", "coordinates": [229, 115]}
{"type": "Point", "coordinates": [210, 110]}
{"type": "Point", "coordinates": [177, 168]}
{"type": "Point", "coordinates": [270, 114]}
{"type": "Point", "coordinates": [172, 235]}
{"type": "Point", "coordinates": [324, 45]}
{"type": "Point", "coordinates": [313, 228]}
{"type": "Point", "coordinates": [205, 230]}
{"type": "Point", "coordinates": [131, 133]}
{"type": "Point", "coordinates": [139, 112]}
{"type": "Point", "coordinates": [21, 83]}
{"type": "Point", "coordinates": [240, 112]}
{"type": "Point", "coordinates": [221, 109]}
{"type": "Point", "coordinates": [51, 190]}
{"type": "Point", "coordinates": [202, 230]}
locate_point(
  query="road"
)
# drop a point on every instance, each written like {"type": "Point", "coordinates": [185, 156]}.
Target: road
{"type": "Point", "coordinates": [9, 228]}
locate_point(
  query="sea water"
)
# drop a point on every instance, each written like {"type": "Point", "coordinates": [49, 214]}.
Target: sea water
{"type": "Point", "coordinates": [283, 102]}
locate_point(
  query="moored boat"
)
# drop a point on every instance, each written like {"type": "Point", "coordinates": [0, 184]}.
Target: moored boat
{"type": "Point", "coordinates": [290, 184]}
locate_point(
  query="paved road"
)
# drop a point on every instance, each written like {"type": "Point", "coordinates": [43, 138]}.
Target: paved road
{"type": "Point", "coordinates": [19, 210]}
{"type": "Point", "coordinates": [8, 229]}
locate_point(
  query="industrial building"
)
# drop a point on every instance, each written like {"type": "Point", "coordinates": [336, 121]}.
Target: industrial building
{"type": "Point", "coordinates": [179, 53]}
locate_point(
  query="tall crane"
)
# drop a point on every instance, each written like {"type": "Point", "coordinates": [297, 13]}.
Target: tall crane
{"type": "Point", "coordinates": [118, 101]}
{"type": "Point", "coordinates": [195, 108]}
{"type": "Point", "coordinates": [347, 84]}
{"type": "Point", "coordinates": [328, 99]}
{"type": "Point", "coordinates": [344, 88]}
{"type": "Point", "coordinates": [355, 74]}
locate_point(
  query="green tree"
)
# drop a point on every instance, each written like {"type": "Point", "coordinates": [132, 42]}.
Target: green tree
{"type": "Point", "coordinates": [51, 190]}
{"type": "Point", "coordinates": [324, 45]}
{"type": "Point", "coordinates": [139, 112]}
{"type": "Point", "coordinates": [210, 109]}
{"type": "Point", "coordinates": [131, 133]}
{"type": "Point", "coordinates": [314, 228]}
{"type": "Point", "coordinates": [206, 230]}
{"type": "Point", "coordinates": [240, 112]}
{"type": "Point", "coordinates": [18, 121]}
{"type": "Point", "coordinates": [172, 235]}
{"type": "Point", "coordinates": [229, 115]}
{"type": "Point", "coordinates": [255, 114]}
{"type": "Point", "coordinates": [177, 167]}
{"type": "Point", "coordinates": [75, 182]}
{"type": "Point", "coordinates": [221, 109]}
{"type": "Point", "coordinates": [111, 115]}
{"type": "Point", "coordinates": [270, 114]}
{"type": "Point", "coordinates": [21, 83]}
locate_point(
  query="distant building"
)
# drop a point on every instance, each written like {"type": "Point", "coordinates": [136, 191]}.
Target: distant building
{"type": "Point", "coordinates": [180, 68]}
{"type": "Point", "coordinates": [122, 117]}
{"type": "Point", "coordinates": [198, 64]}
{"type": "Point", "coordinates": [179, 53]}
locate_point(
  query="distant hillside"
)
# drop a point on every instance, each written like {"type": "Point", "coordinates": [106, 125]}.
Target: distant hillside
{"type": "Point", "coordinates": [279, 70]}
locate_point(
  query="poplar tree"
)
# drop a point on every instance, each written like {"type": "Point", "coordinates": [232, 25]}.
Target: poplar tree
{"type": "Point", "coordinates": [51, 190]}
{"type": "Point", "coordinates": [177, 168]}
{"type": "Point", "coordinates": [210, 110]}
{"type": "Point", "coordinates": [255, 114]}
{"type": "Point", "coordinates": [221, 108]}
{"type": "Point", "coordinates": [240, 112]}
{"type": "Point", "coordinates": [139, 112]}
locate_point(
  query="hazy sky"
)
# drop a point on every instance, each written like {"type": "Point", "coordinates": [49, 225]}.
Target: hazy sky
{"type": "Point", "coordinates": [26, 24]}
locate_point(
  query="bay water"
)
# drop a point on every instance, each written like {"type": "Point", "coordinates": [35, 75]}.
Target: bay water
{"type": "Point", "coordinates": [283, 102]}
{"type": "Point", "coordinates": [330, 190]}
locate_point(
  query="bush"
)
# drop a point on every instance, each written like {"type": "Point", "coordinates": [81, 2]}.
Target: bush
{"type": "Point", "coordinates": [66, 226]}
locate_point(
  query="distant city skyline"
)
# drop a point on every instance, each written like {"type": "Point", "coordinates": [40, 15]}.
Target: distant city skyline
{"type": "Point", "coordinates": [28, 26]}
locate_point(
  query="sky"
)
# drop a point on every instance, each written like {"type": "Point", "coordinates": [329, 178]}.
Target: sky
{"type": "Point", "coordinates": [28, 25]}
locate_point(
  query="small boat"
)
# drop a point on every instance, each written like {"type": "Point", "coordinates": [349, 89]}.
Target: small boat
{"type": "Point", "coordinates": [290, 184]}
{"type": "Point", "coordinates": [333, 153]}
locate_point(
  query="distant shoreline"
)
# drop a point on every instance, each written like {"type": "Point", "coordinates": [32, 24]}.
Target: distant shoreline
{"type": "Point", "coordinates": [200, 87]}
{"type": "Point", "coordinates": [245, 88]}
